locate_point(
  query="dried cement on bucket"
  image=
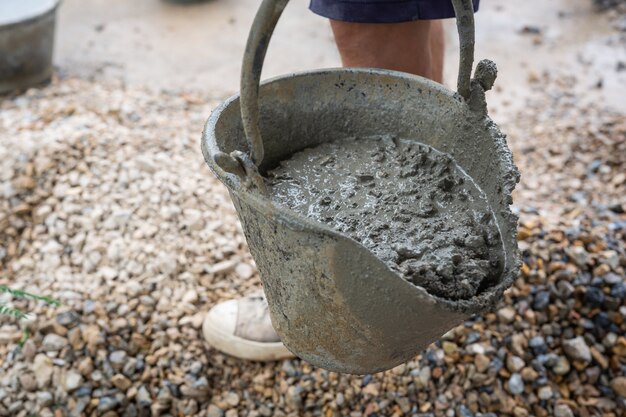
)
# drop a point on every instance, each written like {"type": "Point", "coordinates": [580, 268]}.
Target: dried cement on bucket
{"type": "Point", "coordinates": [411, 205]}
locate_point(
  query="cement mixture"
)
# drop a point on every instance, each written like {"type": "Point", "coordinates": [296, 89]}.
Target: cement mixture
{"type": "Point", "coordinates": [411, 205]}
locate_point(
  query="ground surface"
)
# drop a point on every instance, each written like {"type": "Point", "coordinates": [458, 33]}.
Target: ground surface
{"type": "Point", "coordinates": [107, 205]}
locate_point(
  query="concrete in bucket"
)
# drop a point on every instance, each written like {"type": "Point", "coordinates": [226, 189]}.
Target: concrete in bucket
{"type": "Point", "coordinates": [332, 302]}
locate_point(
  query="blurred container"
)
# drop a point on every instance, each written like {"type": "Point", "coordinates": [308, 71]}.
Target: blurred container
{"type": "Point", "coordinates": [26, 42]}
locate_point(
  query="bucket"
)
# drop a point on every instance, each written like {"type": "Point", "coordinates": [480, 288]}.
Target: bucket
{"type": "Point", "coordinates": [332, 302]}
{"type": "Point", "coordinates": [26, 42]}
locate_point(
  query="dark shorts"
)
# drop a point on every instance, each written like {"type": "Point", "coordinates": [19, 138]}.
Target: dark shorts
{"type": "Point", "coordinates": [384, 11]}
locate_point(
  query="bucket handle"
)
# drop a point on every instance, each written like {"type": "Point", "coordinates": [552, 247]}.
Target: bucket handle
{"type": "Point", "coordinates": [258, 40]}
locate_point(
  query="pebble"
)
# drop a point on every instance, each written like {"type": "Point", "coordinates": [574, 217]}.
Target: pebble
{"type": "Point", "coordinates": [118, 358]}
{"type": "Point", "coordinates": [482, 363]}
{"type": "Point", "coordinates": [577, 349]}
{"type": "Point", "coordinates": [28, 382]}
{"type": "Point", "coordinates": [562, 366]}
{"type": "Point", "coordinates": [73, 380]}
{"type": "Point", "coordinates": [121, 382]}
{"type": "Point", "coordinates": [506, 315]}
{"type": "Point", "coordinates": [232, 399]}
{"type": "Point", "coordinates": [144, 399]}
{"type": "Point", "coordinates": [538, 345]}
{"type": "Point", "coordinates": [53, 343]}
{"type": "Point", "coordinates": [545, 393]}
{"type": "Point", "coordinates": [44, 398]}
{"type": "Point", "coordinates": [514, 363]}
{"type": "Point", "coordinates": [68, 318]}
{"type": "Point", "coordinates": [107, 403]}
{"type": "Point", "coordinates": [215, 411]}
{"type": "Point", "coordinates": [618, 384]}
{"type": "Point", "coordinates": [43, 368]}
{"type": "Point", "coordinates": [563, 410]}
{"type": "Point", "coordinates": [516, 384]}
{"type": "Point", "coordinates": [542, 300]}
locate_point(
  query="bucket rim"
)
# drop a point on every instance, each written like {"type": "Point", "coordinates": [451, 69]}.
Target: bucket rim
{"type": "Point", "coordinates": [38, 12]}
{"type": "Point", "coordinates": [289, 218]}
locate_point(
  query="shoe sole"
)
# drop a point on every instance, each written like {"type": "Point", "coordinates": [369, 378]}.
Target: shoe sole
{"type": "Point", "coordinates": [242, 348]}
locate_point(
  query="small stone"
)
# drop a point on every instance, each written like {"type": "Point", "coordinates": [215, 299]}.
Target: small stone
{"type": "Point", "coordinates": [72, 381]}
{"type": "Point", "coordinates": [190, 297]}
{"type": "Point", "coordinates": [594, 296]}
{"type": "Point", "coordinates": [618, 385]}
{"type": "Point", "coordinates": [29, 350]}
{"type": "Point", "coordinates": [577, 349]}
{"type": "Point", "coordinates": [514, 363]}
{"type": "Point", "coordinates": [563, 410]}
{"type": "Point", "coordinates": [506, 315]}
{"type": "Point", "coordinates": [53, 343]}
{"type": "Point", "coordinates": [579, 255]}
{"type": "Point", "coordinates": [449, 348]}
{"type": "Point", "coordinates": [538, 345]}
{"type": "Point", "coordinates": [121, 382]}
{"type": "Point", "coordinates": [542, 300]}
{"type": "Point", "coordinates": [232, 399]}
{"type": "Point", "coordinates": [143, 399]}
{"type": "Point", "coordinates": [43, 368]}
{"type": "Point", "coordinates": [404, 403]}
{"type": "Point", "coordinates": [244, 270]}
{"type": "Point", "coordinates": [28, 382]}
{"type": "Point", "coordinates": [223, 267]}
{"type": "Point", "coordinates": [44, 398]}
{"type": "Point", "coordinates": [619, 291]}
{"type": "Point", "coordinates": [118, 358]}
{"type": "Point", "coordinates": [424, 375]}
{"type": "Point", "coordinates": [215, 411]}
{"type": "Point", "coordinates": [562, 366]}
{"type": "Point", "coordinates": [85, 366]}
{"type": "Point", "coordinates": [107, 403]}
{"type": "Point", "coordinates": [545, 392]}
{"type": "Point", "coordinates": [516, 384]}
{"type": "Point", "coordinates": [68, 318]}
{"type": "Point", "coordinates": [293, 398]}
{"type": "Point", "coordinates": [520, 412]}
{"type": "Point", "coordinates": [482, 363]}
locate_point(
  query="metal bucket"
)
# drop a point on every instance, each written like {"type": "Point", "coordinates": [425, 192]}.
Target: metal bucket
{"type": "Point", "coordinates": [332, 302]}
{"type": "Point", "coordinates": [26, 42]}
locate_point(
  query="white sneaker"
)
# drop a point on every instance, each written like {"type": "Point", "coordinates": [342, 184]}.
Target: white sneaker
{"type": "Point", "coordinates": [242, 328]}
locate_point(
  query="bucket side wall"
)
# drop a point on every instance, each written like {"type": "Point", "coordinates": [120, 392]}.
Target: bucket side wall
{"type": "Point", "coordinates": [26, 51]}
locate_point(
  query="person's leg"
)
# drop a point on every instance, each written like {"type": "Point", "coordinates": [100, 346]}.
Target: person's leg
{"type": "Point", "coordinates": [437, 48]}
{"type": "Point", "coordinates": [415, 47]}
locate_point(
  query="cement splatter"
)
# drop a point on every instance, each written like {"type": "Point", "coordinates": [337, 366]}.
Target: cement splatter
{"type": "Point", "coordinates": [411, 205]}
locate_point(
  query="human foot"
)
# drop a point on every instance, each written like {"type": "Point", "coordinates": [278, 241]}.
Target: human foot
{"type": "Point", "coordinates": [242, 328]}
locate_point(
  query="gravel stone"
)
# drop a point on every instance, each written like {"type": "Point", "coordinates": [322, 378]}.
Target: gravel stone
{"type": "Point", "coordinates": [516, 384]}
{"type": "Point", "coordinates": [73, 381]}
{"type": "Point", "coordinates": [562, 410]}
{"type": "Point", "coordinates": [577, 349]}
{"type": "Point", "coordinates": [215, 411]}
{"type": "Point", "coordinates": [618, 385]}
{"type": "Point", "coordinates": [53, 343]}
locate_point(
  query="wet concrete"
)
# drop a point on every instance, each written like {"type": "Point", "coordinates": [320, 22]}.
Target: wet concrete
{"type": "Point", "coordinates": [409, 204]}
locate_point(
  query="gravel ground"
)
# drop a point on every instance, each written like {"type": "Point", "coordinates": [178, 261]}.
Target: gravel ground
{"type": "Point", "coordinates": [107, 205]}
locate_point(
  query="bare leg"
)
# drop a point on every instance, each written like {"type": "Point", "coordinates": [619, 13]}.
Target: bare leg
{"type": "Point", "coordinates": [437, 49]}
{"type": "Point", "coordinates": [413, 47]}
